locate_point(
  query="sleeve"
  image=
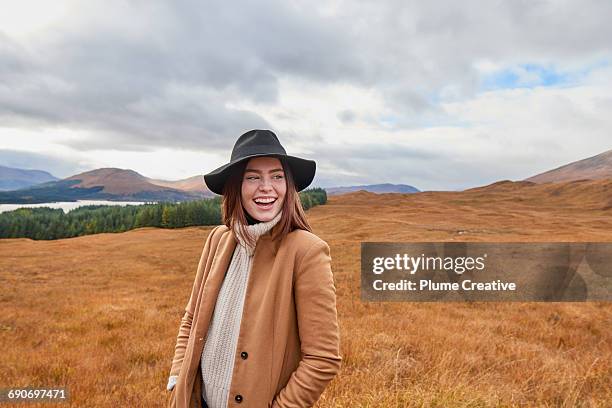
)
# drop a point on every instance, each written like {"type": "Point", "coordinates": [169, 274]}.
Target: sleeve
{"type": "Point", "coordinates": [315, 298]}
{"type": "Point", "coordinates": [185, 327]}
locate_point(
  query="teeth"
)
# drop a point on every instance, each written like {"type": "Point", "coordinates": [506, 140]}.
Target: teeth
{"type": "Point", "coordinates": [264, 200]}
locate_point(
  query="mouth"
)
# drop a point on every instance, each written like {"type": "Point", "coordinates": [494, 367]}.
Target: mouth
{"type": "Point", "coordinates": [264, 202]}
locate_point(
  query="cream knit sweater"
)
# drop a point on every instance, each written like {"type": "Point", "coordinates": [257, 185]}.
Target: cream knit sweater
{"type": "Point", "coordinates": [220, 345]}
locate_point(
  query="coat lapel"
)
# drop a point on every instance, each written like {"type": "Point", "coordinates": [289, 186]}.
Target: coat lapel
{"type": "Point", "coordinates": [208, 296]}
{"type": "Point", "coordinates": [220, 264]}
{"type": "Point", "coordinates": [212, 285]}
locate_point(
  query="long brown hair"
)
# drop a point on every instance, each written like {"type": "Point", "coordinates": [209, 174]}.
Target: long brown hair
{"type": "Point", "coordinates": [292, 216]}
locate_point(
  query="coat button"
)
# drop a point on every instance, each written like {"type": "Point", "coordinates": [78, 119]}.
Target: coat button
{"type": "Point", "coordinates": [244, 355]}
{"type": "Point", "coordinates": [238, 398]}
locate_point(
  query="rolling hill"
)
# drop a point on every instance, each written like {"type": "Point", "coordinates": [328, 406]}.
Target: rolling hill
{"type": "Point", "coordinates": [592, 168]}
{"type": "Point", "coordinates": [195, 184]}
{"type": "Point", "coordinates": [373, 188]}
{"type": "Point", "coordinates": [12, 178]}
{"type": "Point", "coordinates": [73, 307]}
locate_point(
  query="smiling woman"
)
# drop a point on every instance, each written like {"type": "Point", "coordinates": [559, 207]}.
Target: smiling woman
{"type": "Point", "coordinates": [260, 326]}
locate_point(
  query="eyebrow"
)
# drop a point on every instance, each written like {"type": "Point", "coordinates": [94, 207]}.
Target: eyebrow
{"type": "Point", "coordinates": [258, 171]}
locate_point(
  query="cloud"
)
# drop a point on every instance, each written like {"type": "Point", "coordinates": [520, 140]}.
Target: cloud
{"type": "Point", "coordinates": [58, 166]}
{"type": "Point", "coordinates": [512, 134]}
{"type": "Point", "coordinates": [192, 76]}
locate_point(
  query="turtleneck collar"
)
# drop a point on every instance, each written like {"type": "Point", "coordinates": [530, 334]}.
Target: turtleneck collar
{"type": "Point", "coordinates": [256, 231]}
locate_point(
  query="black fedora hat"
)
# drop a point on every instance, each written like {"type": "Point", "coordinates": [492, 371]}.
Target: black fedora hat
{"type": "Point", "coordinates": [255, 143]}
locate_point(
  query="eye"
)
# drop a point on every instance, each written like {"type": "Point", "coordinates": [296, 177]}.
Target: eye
{"type": "Point", "coordinates": [251, 177]}
{"type": "Point", "coordinates": [278, 177]}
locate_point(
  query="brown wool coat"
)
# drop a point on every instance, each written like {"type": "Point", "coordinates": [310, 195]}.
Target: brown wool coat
{"type": "Point", "coordinates": [289, 328]}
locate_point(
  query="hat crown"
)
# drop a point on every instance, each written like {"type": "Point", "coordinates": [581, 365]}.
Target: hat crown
{"type": "Point", "coordinates": [257, 142]}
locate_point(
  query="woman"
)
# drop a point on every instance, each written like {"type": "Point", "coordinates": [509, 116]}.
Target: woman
{"type": "Point", "coordinates": [260, 328]}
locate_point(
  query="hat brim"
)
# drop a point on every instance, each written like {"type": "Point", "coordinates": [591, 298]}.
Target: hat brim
{"type": "Point", "coordinates": [303, 171]}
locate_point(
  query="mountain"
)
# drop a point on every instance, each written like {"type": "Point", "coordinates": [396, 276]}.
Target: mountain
{"type": "Point", "coordinates": [110, 184]}
{"type": "Point", "coordinates": [122, 182]}
{"type": "Point", "coordinates": [13, 178]}
{"type": "Point", "coordinates": [373, 188]}
{"type": "Point", "coordinates": [593, 168]}
{"type": "Point", "coordinates": [195, 184]}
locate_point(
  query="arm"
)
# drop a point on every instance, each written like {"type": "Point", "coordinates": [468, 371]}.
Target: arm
{"type": "Point", "coordinates": [185, 327]}
{"type": "Point", "coordinates": [315, 299]}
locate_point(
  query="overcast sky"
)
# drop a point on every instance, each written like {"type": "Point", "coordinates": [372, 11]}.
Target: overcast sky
{"type": "Point", "coordinates": [441, 95]}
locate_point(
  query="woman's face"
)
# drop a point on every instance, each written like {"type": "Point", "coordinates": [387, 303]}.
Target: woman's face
{"type": "Point", "coordinates": [263, 188]}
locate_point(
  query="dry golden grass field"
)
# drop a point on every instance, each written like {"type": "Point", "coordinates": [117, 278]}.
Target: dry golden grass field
{"type": "Point", "coordinates": [100, 313]}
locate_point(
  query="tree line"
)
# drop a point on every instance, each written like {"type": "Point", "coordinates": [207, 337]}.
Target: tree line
{"type": "Point", "coordinates": [49, 223]}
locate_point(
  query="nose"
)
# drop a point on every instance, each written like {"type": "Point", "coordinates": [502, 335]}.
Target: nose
{"type": "Point", "coordinates": [265, 184]}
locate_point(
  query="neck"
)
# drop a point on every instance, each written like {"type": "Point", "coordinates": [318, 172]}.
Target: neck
{"type": "Point", "coordinates": [251, 220]}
